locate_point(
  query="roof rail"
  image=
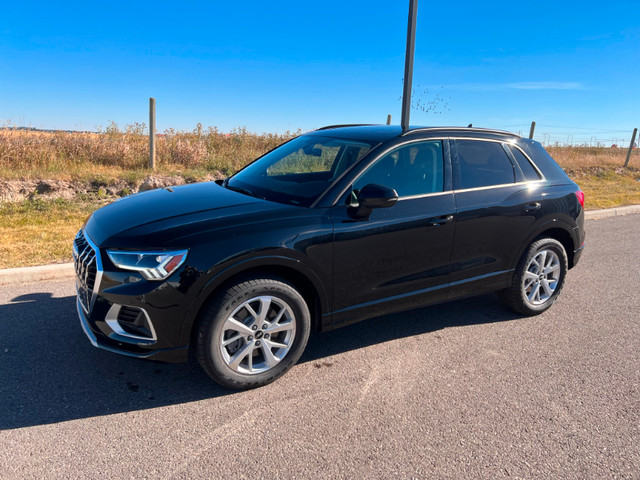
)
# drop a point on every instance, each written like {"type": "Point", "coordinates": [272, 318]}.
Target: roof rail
{"type": "Point", "coordinates": [459, 129]}
{"type": "Point", "coordinates": [345, 125]}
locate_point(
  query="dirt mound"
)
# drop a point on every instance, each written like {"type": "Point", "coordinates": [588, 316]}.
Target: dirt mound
{"type": "Point", "coordinates": [18, 190]}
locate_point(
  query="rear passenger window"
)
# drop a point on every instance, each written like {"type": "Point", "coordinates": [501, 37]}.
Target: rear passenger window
{"type": "Point", "coordinates": [482, 164]}
{"type": "Point", "coordinates": [529, 172]}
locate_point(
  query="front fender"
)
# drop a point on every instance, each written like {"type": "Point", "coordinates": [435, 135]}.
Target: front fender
{"type": "Point", "coordinates": [220, 275]}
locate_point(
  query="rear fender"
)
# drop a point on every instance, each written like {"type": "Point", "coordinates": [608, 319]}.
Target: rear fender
{"type": "Point", "coordinates": [544, 226]}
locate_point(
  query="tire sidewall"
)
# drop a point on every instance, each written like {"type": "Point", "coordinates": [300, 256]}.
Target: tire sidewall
{"type": "Point", "coordinates": [247, 290]}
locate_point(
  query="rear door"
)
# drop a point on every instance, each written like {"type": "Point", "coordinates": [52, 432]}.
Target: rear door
{"type": "Point", "coordinates": [496, 209]}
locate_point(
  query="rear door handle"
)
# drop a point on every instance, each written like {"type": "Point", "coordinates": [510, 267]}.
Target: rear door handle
{"type": "Point", "coordinates": [532, 207]}
{"type": "Point", "coordinates": [440, 220]}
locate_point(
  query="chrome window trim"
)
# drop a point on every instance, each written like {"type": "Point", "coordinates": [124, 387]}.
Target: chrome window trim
{"type": "Point", "coordinates": [502, 185]}
{"type": "Point", "coordinates": [528, 158]}
{"type": "Point", "coordinates": [434, 194]}
{"type": "Point", "coordinates": [385, 152]}
{"type": "Point", "coordinates": [462, 190]}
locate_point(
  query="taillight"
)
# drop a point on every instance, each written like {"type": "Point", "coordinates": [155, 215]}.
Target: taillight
{"type": "Point", "coordinates": [580, 195]}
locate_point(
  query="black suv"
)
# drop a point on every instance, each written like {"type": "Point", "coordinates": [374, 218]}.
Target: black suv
{"type": "Point", "coordinates": [332, 227]}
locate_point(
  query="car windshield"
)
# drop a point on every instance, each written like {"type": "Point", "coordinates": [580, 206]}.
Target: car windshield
{"type": "Point", "coordinates": [300, 170]}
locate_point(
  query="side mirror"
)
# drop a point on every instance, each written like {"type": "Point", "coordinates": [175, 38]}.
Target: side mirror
{"type": "Point", "coordinates": [373, 196]}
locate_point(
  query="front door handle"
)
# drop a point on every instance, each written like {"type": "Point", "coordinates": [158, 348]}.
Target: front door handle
{"type": "Point", "coordinates": [437, 221]}
{"type": "Point", "coordinates": [532, 207]}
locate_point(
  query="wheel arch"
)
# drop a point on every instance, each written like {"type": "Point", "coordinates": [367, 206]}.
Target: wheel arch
{"type": "Point", "coordinates": [289, 270]}
{"type": "Point", "coordinates": [558, 230]}
{"type": "Point", "coordinates": [565, 238]}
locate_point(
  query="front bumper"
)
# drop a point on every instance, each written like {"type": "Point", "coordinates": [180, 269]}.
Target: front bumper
{"type": "Point", "coordinates": [99, 340]}
{"type": "Point", "coordinates": [123, 313]}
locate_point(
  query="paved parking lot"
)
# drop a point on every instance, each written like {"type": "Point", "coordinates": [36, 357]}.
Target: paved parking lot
{"type": "Point", "coordinates": [461, 390]}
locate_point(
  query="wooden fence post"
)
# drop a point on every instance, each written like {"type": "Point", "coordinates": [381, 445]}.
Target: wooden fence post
{"type": "Point", "coordinates": [533, 129]}
{"type": "Point", "coordinates": [633, 141]}
{"type": "Point", "coordinates": [152, 133]}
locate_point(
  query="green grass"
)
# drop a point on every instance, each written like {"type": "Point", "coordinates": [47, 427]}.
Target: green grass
{"type": "Point", "coordinates": [38, 232]}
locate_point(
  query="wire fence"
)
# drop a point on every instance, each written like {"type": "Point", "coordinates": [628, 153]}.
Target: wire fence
{"type": "Point", "coordinates": [574, 136]}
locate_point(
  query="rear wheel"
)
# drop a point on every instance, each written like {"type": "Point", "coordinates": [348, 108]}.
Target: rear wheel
{"type": "Point", "coordinates": [252, 333]}
{"type": "Point", "coordinates": [538, 279]}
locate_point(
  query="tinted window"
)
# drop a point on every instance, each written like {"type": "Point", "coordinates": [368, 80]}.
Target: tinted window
{"type": "Point", "coordinates": [414, 169]}
{"type": "Point", "coordinates": [529, 172]}
{"type": "Point", "coordinates": [482, 164]}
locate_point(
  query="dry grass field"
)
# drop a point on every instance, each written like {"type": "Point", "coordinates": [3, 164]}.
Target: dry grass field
{"type": "Point", "coordinates": [39, 230]}
{"type": "Point", "coordinates": [116, 153]}
{"type": "Point", "coordinates": [601, 174]}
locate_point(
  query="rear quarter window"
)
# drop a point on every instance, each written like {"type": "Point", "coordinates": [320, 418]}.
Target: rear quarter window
{"type": "Point", "coordinates": [528, 170]}
{"type": "Point", "coordinates": [482, 164]}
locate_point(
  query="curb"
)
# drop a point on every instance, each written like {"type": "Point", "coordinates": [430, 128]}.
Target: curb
{"type": "Point", "coordinates": [62, 271]}
{"type": "Point", "coordinates": [611, 212]}
{"type": "Point", "coordinates": [10, 276]}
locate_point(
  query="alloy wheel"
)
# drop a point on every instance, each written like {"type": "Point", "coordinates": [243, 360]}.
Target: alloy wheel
{"type": "Point", "coordinates": [541, 277]}
{"type": "Point", "coordinates": [257, 335]}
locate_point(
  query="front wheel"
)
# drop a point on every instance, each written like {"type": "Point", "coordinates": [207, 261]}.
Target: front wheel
{"type": "Point", "coordinates": [252, 333]}
{"type": "Point", "coordinates": [538, 279]}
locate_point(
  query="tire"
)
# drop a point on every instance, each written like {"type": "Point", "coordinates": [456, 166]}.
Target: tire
{"type": "Point", "coordinates": [533, 290]}
{"type": "Point", "coordinates": [251, 333]}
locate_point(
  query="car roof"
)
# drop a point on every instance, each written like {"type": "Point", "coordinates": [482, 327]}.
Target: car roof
{"type": "Point", "coordinates": [383, 133]}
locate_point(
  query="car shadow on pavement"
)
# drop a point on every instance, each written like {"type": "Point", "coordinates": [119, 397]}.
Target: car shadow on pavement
{"type": "Point", "coordinates": [471, 311]}
{"type": "Point", "coordinates": [50, 373]}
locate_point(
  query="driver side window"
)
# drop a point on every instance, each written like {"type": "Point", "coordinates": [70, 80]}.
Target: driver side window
{"type": "Point", "coordinates": [414, 169]}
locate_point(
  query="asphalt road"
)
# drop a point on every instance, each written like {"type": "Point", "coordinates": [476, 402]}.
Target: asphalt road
{"type": "Point", "coordinates": [461, 390]}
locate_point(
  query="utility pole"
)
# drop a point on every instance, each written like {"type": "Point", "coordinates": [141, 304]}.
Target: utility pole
{"type": "Point", "coordinates": [152, 133]}
{"type": "Point", "coordinates": [408, 64]}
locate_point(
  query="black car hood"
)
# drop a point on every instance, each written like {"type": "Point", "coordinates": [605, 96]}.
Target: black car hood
{"type": "Point", "coordinates": [148, 219]}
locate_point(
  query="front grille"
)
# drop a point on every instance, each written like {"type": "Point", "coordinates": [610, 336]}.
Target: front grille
{"type": "Point", "coordinates": [85, 263]}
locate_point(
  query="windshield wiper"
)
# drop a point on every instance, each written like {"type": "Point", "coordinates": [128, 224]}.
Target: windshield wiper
{"type": "Point", "coordinates": [242, 190]}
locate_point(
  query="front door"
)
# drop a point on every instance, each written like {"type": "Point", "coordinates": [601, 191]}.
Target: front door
{"type": "Point", "coordinates": [399, 256]}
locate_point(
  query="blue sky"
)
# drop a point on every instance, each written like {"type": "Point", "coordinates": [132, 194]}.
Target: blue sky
{"type": "Point", "coordinates": [573, 67]}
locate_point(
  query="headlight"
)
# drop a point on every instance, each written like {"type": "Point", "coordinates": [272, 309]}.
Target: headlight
{"type": "Point", "coordinates": [151, 265]}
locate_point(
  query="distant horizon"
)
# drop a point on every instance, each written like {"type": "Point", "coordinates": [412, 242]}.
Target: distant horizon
{"type": "Point", "coordinates": [276, 67]}
{"type": "Point", "coordinates": [621, 143]}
